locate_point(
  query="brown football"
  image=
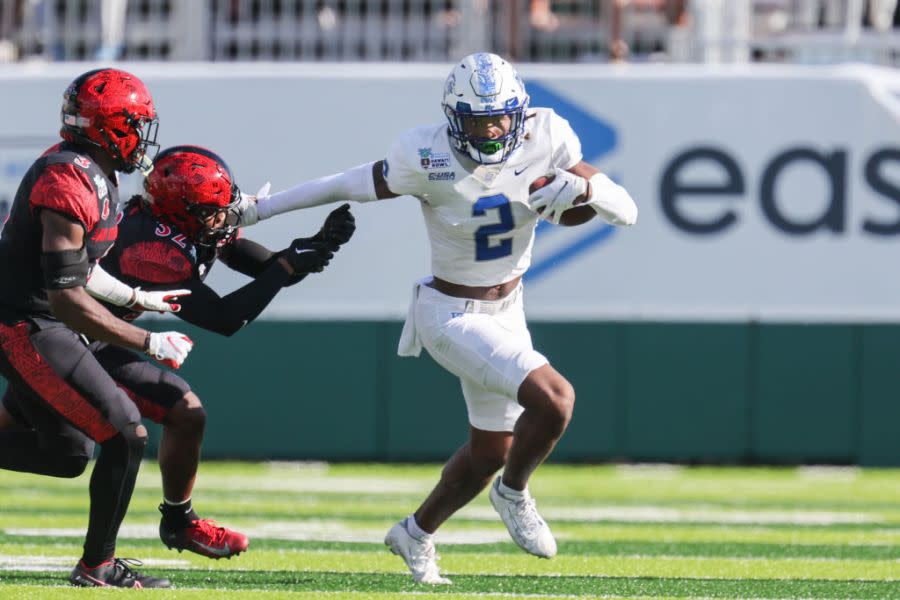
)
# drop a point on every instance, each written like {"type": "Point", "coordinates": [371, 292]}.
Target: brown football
{"type": "Point", "coordinates": [539, 183]}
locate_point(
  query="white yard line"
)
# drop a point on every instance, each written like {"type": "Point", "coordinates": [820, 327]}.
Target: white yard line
{"type": "Point", "coordinates": [66, 563]}
{"type": "Point", "coordinates": [304, 482]}
{"type": "Point", "coordinates": [317, 530]}
{"type": "Point", "coordinates": [659, 514]}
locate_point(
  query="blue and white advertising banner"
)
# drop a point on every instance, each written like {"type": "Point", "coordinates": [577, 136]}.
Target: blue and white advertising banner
{"type": "Point", "coordinates": [765, 192]}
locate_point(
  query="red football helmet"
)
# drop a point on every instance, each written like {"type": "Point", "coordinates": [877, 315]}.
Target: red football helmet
{"type": "Point", "coordinates": [112, 109]}
{"type": "Point", "coordinates": [193, 189]}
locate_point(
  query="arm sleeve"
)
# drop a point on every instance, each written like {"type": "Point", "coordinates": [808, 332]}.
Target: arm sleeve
{"type": "Point", "coordinates": [612, 202]}
{"type": "Point", "coordinates": [103, 286]}
{"type": "Point", "coordinates": [246, 257]}
{"type": "Point", "coordinates": [566, 145]}
{"type": "Point", "coordinates": [67, 190]}
{"type": "Point", "coordinates": [225, 315]}
{"type": "Point", "coordinates": [354, 184]}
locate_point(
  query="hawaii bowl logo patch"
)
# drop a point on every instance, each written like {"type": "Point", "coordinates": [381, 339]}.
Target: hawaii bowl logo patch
{"type": "Point", "coordinates": [433, 160]}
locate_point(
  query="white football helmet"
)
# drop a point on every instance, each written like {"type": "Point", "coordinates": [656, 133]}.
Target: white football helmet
{"type": "Point", "coordinates": [484, 84]}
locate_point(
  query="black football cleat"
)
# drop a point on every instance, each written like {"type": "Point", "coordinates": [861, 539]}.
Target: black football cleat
{"type": "Point", "coordinates": [116, 572]}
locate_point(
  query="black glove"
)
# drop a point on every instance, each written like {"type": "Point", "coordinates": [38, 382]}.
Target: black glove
{"type": "Point", "coordinates": [338, 227]}
{"type": "Point", "coordinates": [305, 256]}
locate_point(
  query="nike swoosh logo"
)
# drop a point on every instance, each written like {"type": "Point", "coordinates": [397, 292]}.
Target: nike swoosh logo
{"type": "Point", "coordinates": [93, 580]}
{"type": "Point", "coordinates": [525, 168]}
{"type": "Point", "coordinates": [223, 551]}
{"type": "Point", "coordinates": [301, 250]}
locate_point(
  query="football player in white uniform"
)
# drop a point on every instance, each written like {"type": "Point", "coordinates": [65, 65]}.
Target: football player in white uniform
{"type": "Point", "coordinates": [476, 183]}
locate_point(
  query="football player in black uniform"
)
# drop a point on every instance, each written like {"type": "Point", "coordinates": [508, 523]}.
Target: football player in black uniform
{"type": "Point", "coordinates": [171, 236]}
{"type": "Point", "coordinates": [70, 392]}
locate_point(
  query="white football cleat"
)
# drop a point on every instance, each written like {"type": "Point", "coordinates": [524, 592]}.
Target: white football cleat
{"type": "Point", "coordinates": [525, 525]}
{"type": "Point", "coordinates": [418, 555]}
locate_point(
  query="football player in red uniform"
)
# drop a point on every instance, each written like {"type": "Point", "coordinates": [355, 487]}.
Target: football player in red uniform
{"type": "Point", "coordinates": [171, 236]}
{"type": "Point", "coordinates": [72, 392]}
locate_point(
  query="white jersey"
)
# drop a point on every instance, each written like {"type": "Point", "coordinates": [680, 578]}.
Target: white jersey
{"type": "Point", "coordinates": [478, 218]}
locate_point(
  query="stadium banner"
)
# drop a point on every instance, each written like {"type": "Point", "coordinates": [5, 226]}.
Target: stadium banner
{"type": "Point", "coordinates": [765, 192]}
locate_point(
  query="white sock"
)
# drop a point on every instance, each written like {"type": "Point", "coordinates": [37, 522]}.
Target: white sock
{"type": "Point", "coordinates": [414, 530]}
{"type": "Point", "coordinates": [510, 493]}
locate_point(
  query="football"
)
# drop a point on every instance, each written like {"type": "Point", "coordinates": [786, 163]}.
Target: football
{"type": "Point", "coordinates": [539, 183]}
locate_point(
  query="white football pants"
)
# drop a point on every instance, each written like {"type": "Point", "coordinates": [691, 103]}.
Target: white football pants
{"type": "Point", "coordinates": [484, 343]}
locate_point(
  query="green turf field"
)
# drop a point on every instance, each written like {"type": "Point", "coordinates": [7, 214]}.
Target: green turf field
{"type": "Point", "coordinates": [623, 532]}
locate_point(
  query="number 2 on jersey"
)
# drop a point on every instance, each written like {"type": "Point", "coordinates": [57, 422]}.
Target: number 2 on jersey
{"type": "Point", "coordinates": [484, 249]}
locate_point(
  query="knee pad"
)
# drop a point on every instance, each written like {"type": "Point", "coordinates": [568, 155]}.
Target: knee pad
{"type": "Point", "coordinates": [136, 436]}
{"type": "Point", "coordinates": [132, 439]}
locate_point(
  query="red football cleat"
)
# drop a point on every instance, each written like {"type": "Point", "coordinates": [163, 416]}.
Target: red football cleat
{"type": "Point", "coordinates": [205, 537]}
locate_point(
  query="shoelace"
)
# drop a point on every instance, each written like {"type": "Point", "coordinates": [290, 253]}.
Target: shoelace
{"type": "Point", "coordinates": [529, 516]}
{"type": "Point", "coordinates": [211, 529]}
{"type": "Point", "coordinates": [125, 565]}
{"type": "Point", "coordinates": [427, 557]}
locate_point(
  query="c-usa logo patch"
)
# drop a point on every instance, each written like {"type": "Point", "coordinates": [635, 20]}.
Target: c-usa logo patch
{"type": "Point", "coordinates": [442, 176]}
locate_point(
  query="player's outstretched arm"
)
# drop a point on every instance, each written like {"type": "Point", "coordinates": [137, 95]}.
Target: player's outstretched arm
{"type": "Point", "coordinates": [247, 257]}
{"type": "Point", "coordinates": [354, 184]}
{"type": "Point", "coordinates": [573, 197]}
{"type": "Point", "coordinates": [226, 315]}
{"type": "Point", "coordinates": [252, 259]}
{"type": "Point", "coordinates": [103, 286]}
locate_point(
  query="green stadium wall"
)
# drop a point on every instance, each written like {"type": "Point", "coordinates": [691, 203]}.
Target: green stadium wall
{"type": "Point", "coordinates": [693, 393]}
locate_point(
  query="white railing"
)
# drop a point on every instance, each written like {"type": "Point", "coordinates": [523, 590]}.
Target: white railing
{"type": "Point", "coordinates": [805, 31]}
{"type": "Point", "coordinates": [354, 30]}
{"type": "Point", "coordinates": [792, 31]}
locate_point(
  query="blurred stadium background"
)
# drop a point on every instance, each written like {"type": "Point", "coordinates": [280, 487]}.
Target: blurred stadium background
{"type": "Point", "coordinates": [752, 317]}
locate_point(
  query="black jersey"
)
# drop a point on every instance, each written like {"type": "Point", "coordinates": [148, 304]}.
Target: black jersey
{"type": "Point", "coordinates": [69, 182]}
{"type": "Point", "coordinates": [154, 255]}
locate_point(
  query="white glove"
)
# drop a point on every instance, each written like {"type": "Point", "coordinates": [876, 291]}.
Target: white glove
{"type": "Point", "coordinates": [165, 301]}
{"type": "Point", "coordinates": [169, 347]}
{"type": "Point", "coordinates": [558, 196]}
{"type": "Point", "coordinates": [245, 213]}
